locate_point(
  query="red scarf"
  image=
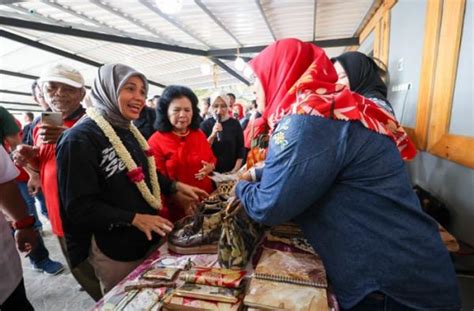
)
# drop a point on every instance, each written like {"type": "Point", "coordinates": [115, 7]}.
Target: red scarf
{"type": "Point", "coordinates": [298, 78]}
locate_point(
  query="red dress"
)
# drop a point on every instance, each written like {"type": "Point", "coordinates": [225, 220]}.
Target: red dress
{"type": "Point", "coordinates": [179, 158]}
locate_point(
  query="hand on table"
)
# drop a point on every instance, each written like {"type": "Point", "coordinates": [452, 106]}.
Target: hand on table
{"type": "Point", "coordinates": [152, 223]}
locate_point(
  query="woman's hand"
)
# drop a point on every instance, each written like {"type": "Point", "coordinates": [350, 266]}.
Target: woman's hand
{"type": "Point", "coordinates": [217, 128]}
{"type": "Point", "coordinates": [191, 209]}
{"type": "Point", "coordinates": [247, 176]}
{"type": "Point", "coordinates": [189, 197]}
{"type": "Point", "coordinates": [206, 169]}
{"type": "Point", "coordinates": [152, 223]}
{"type": "Point", "coordinates": [192, 193]}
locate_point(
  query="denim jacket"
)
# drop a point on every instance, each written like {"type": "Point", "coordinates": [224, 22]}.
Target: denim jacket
{"type": "Point", "coordinates": [348, 189]}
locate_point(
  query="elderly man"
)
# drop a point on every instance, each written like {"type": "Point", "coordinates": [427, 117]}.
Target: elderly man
{"type": "Point", "coordinates": [63, 89]}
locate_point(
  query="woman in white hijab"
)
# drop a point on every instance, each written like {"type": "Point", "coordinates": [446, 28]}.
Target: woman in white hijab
{"type": "Point", "coordinates": [224, 134]}
{"type": "Point", "coordinates": [108, 183]}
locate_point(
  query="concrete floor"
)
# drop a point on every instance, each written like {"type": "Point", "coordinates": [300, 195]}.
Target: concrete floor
{"type": "Point", "coordinates": [61, 292]}
{"type": "Point", "coordinates": [57, 292]}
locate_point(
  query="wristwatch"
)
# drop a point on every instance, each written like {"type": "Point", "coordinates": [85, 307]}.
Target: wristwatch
{"type": "Point", "coordinates": [24, 223]}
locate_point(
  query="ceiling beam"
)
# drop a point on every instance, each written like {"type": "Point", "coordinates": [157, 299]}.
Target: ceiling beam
{"type": "Point", "coordinates": [173, 22]}
{"type": "Point", "coordinates": [24, 75]}
{"type": "Point", "coordinates": [256, 49]}
{"type": "Point", "coordinates": [22, 110]}
{"type": "Point", "coordinates": [18, 74]}
{"type": "Point", "coordinates": [189, 33]}
{"type": "Point", "coordinates": [47, 48]}
{"type": "Point", "coordinates": [103, 28]}
{"type": "Point", "coordinates": [229, 70]}
{"type": "Point", "coordinates": [233, 57]}
{"type": "Point", "coordinates": [217, 21]}
{"type": "Point", "coordinates": [98, 36]}
{"type": "Point", "coordinates": [14, 92]}
{"type": "Point", "coordinates": [262, 12]}
{"type": "Point", "coordinates": [134, 21]}
{"type": "Point", "coordinates": [6, 102]}
{"type": "Point", "coordinates": [117, 39]}
{"type": "Point", "coordinates": [60, 52]}
{"type": "Point", "coordinates": [14, 105]}
{"type": "Point", "coordinates": [80, 15]}
{"type": "Point", "coordinates": [314, 18]}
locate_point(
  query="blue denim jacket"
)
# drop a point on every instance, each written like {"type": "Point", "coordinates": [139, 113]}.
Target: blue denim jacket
{"type": "Point", "coordinates": [348, 189]}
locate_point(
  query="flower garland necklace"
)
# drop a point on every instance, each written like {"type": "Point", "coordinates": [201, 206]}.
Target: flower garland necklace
{"type": "Point", "coordinates": [135, 173]}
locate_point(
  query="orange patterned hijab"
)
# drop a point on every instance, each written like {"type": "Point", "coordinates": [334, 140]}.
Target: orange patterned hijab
{"type": "Point", "coordinates": [298, 78]}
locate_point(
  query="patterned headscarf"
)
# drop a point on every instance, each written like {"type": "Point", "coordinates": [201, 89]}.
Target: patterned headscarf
{"type": "Point", "coordinates": [107, 85]}
{"type": "Point", "coordinates": [298, 78]}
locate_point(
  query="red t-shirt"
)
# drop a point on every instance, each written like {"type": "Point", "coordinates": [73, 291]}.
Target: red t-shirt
{"type": "Point", "coordinates": [179, 158]}
{"type": "Point", "coordinates": [23, 177]}
{"type": "Point", "coordinates": [48, 175]}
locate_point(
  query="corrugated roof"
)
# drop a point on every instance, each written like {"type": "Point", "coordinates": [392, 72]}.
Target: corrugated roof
{"type": "Point", "coordinates": [202, 25]}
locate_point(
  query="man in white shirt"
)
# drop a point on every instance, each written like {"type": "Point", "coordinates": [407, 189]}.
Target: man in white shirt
{"type": "Point", "coordinates": [12, 288]}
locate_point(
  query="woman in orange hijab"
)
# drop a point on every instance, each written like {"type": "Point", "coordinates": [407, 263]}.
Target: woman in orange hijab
{"type": "Point", "coordinates": [335, 166]}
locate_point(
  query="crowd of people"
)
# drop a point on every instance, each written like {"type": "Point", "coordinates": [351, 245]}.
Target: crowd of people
{"type": "Point", "coordinates": [116, 175]}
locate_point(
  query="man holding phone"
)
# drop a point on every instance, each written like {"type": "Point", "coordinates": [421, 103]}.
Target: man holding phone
{"type": "Point", "coordinates": [63, 90]}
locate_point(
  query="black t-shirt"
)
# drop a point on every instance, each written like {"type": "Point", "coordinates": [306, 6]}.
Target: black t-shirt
{"type": "Point", "coordinates": [230, 147]}
{"type": "Point", "coordinates": [97, 197]}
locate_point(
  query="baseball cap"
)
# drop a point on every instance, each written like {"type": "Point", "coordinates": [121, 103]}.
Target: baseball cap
{"type": "Point", "coordinates": [63, 74]}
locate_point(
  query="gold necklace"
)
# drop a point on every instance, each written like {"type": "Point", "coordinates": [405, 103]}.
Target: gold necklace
{"type": "Point", "coordinates": [186, 133]}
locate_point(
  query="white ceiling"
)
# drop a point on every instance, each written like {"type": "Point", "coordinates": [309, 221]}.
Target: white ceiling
{"type": "Point", "coordinates": [203, 25]}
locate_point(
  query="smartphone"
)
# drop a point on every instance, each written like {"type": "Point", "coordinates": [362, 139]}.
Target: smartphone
{"type": "Point", "coordinates": [52, 118]}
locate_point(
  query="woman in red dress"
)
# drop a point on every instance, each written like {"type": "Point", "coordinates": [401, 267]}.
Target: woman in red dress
{"type": "Point", "coordinates": [181, 149]}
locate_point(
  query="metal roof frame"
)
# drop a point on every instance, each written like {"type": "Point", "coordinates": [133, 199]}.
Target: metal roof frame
{"type": "Point", "coordinates": [17, 74]}
{"type": "Point", "coordinates": [7, 21]}
{"type": "Point", "coordinates": [172, 21]}
{"type": "Point", "coordinates": [217, 21]}
{"type": "Point", "coordinates": [265, 19]}
{"type": "Point", "coordinates": [14, 92]}
{"type": "Point", "coordinates": [117, 39]}
{"type": "Point", "coordinates": [57, 51]}
{"type": "Point", "coordinates": [255, 49]}
{"type": "Point", "coordinates": [100, 28]}
{"type": "Point", "coordinates": [6, 102]}
{"type": "Point", "coordinates": [314, 18]}
{"type": "Point", "coordinates": [26, 110]}
{"type": "Point", "coordinates": [52, 16]}
{"type": "Point", "coordinates": [229, 70]}
{"type": "Point", "coordinates": [134, 21]}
